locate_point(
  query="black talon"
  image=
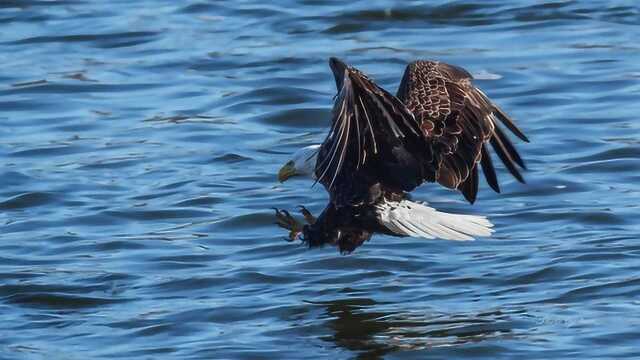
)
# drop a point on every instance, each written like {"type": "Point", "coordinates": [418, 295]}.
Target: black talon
{"type": "Point", "coordinates": [307, 215]}
{"type": "Point", "coordinates": [288, 222]}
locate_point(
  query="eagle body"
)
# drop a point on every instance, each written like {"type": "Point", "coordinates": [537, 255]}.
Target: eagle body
{"type": "Point", "coordinates": [437, 128]}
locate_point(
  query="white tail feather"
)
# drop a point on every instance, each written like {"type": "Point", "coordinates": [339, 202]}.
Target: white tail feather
{"type": "Point", "coordinates": [418, 220]}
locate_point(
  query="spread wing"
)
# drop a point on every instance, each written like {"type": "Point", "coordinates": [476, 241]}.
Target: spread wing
{"type": "Point", "coordinates": [458, 121]}
{"type": "Point", "coordinates": [373, 138]}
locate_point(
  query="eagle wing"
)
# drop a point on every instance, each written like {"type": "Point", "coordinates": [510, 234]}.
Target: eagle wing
{"type": "Point", "coordinates": [372, 140]}
{"type": "Point", "coordinates": [458, 120]}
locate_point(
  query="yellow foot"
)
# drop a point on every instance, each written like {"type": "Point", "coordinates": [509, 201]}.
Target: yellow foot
{"type": "Point", "coordinates": [286, 221]}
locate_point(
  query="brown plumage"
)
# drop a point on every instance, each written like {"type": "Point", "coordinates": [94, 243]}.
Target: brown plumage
{"type": "Point", "coordinates": [458, 120]}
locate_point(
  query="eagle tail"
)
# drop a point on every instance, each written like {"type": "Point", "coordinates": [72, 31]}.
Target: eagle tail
{"type": "Point", "coordinates": [407, 218]}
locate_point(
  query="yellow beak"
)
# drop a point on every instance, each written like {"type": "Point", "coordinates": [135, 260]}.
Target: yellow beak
{"type": "Point", "coordinates": [287, 171]}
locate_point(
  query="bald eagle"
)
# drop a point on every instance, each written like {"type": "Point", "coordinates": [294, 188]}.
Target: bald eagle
{"type": "Point", "coordinates": [380, 147]}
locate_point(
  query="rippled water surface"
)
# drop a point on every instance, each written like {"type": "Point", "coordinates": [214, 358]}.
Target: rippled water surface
{"type": "Point", "coordinates": [139, 146]}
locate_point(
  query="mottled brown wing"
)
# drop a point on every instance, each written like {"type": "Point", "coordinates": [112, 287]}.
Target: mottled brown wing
{"type": "Point", "coordinates": [458, 120]}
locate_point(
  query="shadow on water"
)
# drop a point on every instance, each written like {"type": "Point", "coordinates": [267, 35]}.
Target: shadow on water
{"type": "Point", "coordinates": [363, 326]}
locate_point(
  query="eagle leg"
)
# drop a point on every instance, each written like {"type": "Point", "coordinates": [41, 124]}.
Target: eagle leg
{"type": "Point", "coordinates": [286, 221]}
{"type": "Point", "coordinates": [308, 217]}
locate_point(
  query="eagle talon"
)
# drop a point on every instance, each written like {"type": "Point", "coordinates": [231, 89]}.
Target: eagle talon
{"type": "Point", "coordinates": [308, 217]}
{"type": "Point", "coordinates": [288, 222]}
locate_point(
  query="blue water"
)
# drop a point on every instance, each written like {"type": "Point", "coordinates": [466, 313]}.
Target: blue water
{"type": "Point", "coordinates": [139, 146]}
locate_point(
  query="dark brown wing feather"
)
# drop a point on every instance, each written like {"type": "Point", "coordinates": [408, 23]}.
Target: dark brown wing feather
{"type": "Point", "coordinates": [458, 120]}
{"type": "Point", "coordinates": [372, 139]}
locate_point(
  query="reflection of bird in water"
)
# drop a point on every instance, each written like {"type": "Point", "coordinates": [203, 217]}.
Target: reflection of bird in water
{"type": "Point", "coordinates": [380, 147]}
{"type": "Point", "coordinates": [358, 326]}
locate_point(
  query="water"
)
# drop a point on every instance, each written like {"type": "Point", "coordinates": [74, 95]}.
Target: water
{"type": "Point", "coordinates": [140, 142]}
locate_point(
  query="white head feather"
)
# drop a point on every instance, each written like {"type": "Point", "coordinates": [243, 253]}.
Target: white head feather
{"type": "Point", "coordinates": [303, 163]}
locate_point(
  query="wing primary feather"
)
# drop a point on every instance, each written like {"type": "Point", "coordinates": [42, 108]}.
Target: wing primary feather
{"type": "Point", "coordinates": [498, 146]}
{"type": "Point", "coordinates": [373, 136]}
{"type": "Point", "coordinates": [335, 143]}
{"type": "Point", "coordinates": [372, 94]}
{"type": "Point", "coordinates": [332, 132]}
{"type": "Point", "coordinates": [334, 150]}
{"type": "Point", "coordinates": [469, 187]}
{"type": "Point", "coordinates": [343, 152]}
{"type": "Point", "coordinates": [357, 120]}
{"type": "Point", "coordinates": [488, 169]}
{"type": "Point", "coordinates": [504, 118]}
{"type": "Point", "coordinates": [400, 109]}
{"type": "Point", "coordinates": [392, 125]}
{"type": "Point", "coordinates": [511, 150]}
{"type": "Point", "coordinates": [474, 183]}
{"type": "Point", "coordinates": [415, 126]}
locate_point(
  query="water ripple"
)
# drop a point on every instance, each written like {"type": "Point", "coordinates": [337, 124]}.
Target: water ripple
{"type": "Point", "coordinates": [27, 200]}
{"type": "Point", "coordinates": [140, 146]}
